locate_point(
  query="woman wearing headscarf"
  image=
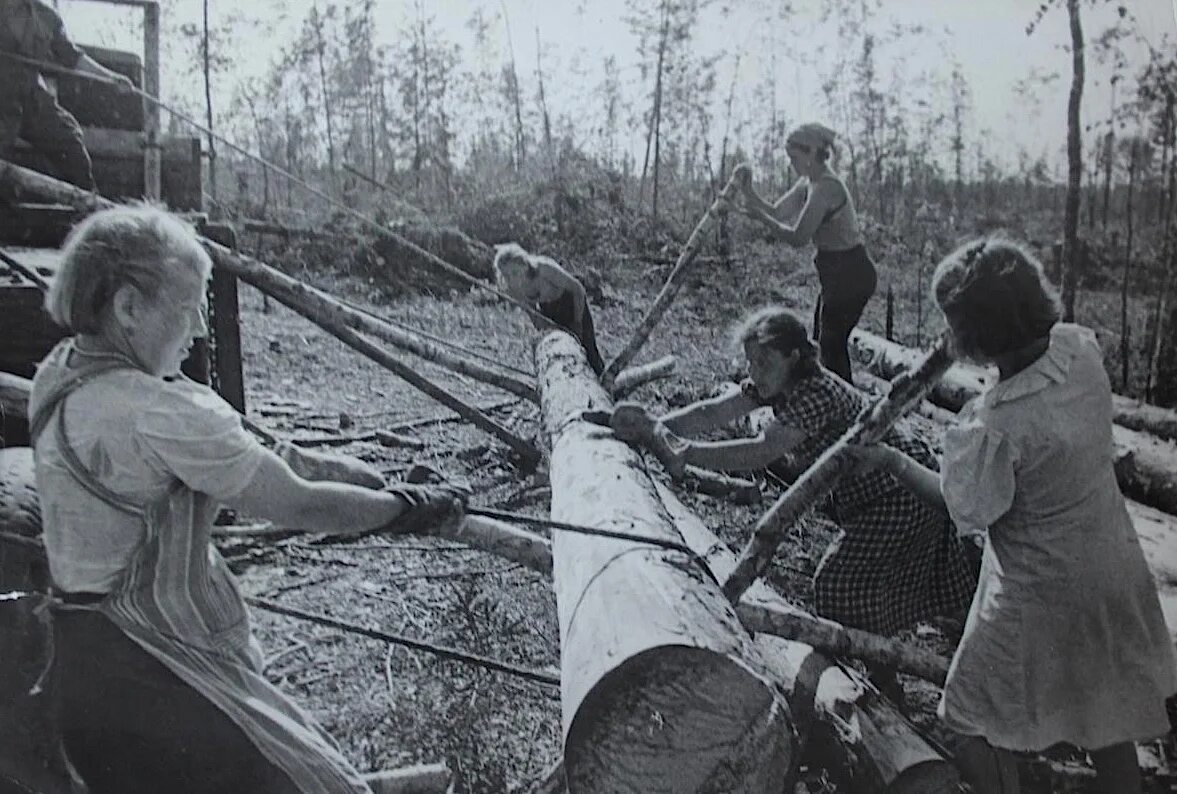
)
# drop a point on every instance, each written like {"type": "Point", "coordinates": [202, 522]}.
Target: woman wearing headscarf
{"type": "Point", "coordinates": [818, 209]}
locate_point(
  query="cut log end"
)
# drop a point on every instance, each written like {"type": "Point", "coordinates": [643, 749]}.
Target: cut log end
{"type": "Point", "coordinates": [679, 719]}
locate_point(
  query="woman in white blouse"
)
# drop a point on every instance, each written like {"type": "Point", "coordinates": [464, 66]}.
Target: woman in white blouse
{"type": "Point", "coordinates": [159, 675]}
{"type": "Point", "coordinates": [1065, 641]}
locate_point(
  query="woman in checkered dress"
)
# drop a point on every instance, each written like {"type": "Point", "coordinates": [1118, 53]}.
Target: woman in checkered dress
{"type": "Point", "coordinates": [897, 560]}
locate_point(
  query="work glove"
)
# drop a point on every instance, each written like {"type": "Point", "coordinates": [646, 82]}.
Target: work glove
{"type": "Point", "coordinates": [632, 423]}
{"type": "Point", "coordinates": [429, 507]}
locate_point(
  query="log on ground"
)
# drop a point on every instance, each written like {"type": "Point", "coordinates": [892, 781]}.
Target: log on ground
{"type": "Point", "coordinates": [964, 381]}
{"type": "Point", "coordinates": [877, 746]}
{"type": "Point", "coordinates": [1146, 463]}
{"type": "Point", "coordinates": [662, 688]}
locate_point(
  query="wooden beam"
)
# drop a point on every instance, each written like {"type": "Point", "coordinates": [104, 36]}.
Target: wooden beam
{"type": "Point", "coordinates": [662, 689]}
{"type": "Point", "coordinates": [152, 153]}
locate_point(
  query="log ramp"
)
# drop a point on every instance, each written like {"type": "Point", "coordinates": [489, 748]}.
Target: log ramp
{"type": "Point", "coordinates": [662, 689]}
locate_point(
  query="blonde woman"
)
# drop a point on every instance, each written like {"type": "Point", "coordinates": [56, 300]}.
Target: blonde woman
{"type": "Point", "coordinates": [539, 282]}
{"type": "Point", "coordinates": [159, 675]}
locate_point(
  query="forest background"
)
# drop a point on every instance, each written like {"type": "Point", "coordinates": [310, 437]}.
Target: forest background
{"type": "Point", "coordinates": [600, 131]}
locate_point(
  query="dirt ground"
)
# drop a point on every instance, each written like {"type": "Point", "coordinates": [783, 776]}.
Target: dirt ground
{"type": "Point", "coordinates": [389, 706]}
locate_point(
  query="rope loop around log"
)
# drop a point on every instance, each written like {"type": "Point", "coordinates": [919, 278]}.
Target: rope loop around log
{"type": "Point", "coordinates": [580, 529]}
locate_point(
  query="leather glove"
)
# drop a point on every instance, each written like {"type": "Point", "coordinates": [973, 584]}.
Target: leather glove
{"type": "Point", "coordinates": [632, 423]}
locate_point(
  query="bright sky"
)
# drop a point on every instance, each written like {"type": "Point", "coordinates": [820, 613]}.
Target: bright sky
{"type": "Point", "coordinates": [987, 38]}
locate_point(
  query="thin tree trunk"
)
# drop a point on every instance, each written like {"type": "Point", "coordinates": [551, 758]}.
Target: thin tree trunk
{"type": "Point", "coordinates": [665, 41]}
{"type": "Point", "coordinates": [320, 51]}
{"type": "Point", "coordinates": [543, 105]}
{"type": "Point", "coordinates": [1125, 347]}
{"type": "Point", "coordinates": [208, 110]}
{"type": "Point", "coordinates": [1074, 167]}
{"type": "Point", "coordinates": [520, 137]}
{"type": "Point", "coordinates": [1109, 153]}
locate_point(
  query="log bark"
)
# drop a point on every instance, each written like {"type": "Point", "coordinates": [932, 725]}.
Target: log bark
{"type": "Point", "coordinates": [329, 314]}
{"type": "Point", "coordinates": [820, 478]}
{"type": "Point", "coordinates": [662, 689]}
{"type": "Point", "coordinates": [887, 359]}
{"type": "Point", "coordinates": [1144, 462]}
{"type": "Point", "coordinates": [838, 640]}
{"type": "Point", "coordinates": [878, 747]}
{"type": "Point", "coordinates": [670, 289]}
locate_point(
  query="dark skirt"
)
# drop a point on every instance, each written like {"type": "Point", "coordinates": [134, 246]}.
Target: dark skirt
{"type": "Point", "coordinates": [129, 724]}
{"type": "Point", "coordinates": [848, 279]}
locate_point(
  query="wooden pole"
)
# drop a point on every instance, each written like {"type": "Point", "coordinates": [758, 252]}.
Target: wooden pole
{"type": "Point", "coordinates": [152, 173]}
{"type": "Point", "coordinates": [632, 378]}
{"type": "Point", "coordinates": [662, 688]}
{"type": "Point", "coordinates": [670, 289]}
{"type": "Point", "coordinates": [324, 311]}
{"type": "Point", "coordinates": [820, 478]}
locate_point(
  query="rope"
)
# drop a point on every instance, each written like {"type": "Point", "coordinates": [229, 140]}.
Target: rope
{"type": "Point", "coordinates": [580, 529]}
{"type": "Point", "coordinates": [434, 338]}
{"type": "Point", "coordinates": [444, 652]}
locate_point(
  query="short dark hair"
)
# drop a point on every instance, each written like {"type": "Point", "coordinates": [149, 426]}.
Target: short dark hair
{"type": "Point", "coordinates": [778, 328]}
{"type": "Point", "coordinates": [996, 295]}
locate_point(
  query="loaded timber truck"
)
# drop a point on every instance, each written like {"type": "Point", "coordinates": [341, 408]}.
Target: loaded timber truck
{"type": "Point", "coordinates": [131, 160]}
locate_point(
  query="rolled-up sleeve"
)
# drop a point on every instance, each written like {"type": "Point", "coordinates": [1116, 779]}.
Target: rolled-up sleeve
{"type": "Point", "coordinates": [977, 475]}
{"type": "Point", "coordinates": [189, 432]}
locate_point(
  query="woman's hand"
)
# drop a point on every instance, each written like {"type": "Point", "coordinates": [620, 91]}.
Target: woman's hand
{"type": "Point", "coordinates": [874, 456]}
{"type": "Point", "coordinates": [631, 422]}
{"type": "Point", "coordinates": [742, 174]}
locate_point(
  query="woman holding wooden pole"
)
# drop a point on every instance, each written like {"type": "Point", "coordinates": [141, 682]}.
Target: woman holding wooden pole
{"type": "Point", "coordinates": [1065, 641]}
{"type": "Point", "coordinates": [159, 675]}
{"type": "Point", "coordinates": [818, 209]}
{"type": "Point", "coordinates": [898, 561]}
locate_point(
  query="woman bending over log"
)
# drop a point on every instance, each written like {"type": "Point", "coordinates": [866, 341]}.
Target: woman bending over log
{"type": "Point", "coordinates": [540, 283]}
{"type": "Point", "coordinates": [159, 674]}
{"type": "Point", "coordinates": [818, 209]}
{"type": "Point", "coordinates": [897, 560]}
{"type": "Point", "coordinates": [1065, 641]}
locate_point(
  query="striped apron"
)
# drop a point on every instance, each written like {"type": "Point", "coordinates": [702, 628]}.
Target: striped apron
{"type": "Point", "coordinates": [179, 601]}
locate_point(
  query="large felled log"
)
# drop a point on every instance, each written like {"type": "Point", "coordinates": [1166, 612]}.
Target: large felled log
{"type": "Point", "coordinates": [963, 382]}
{"type": "Point", "coordinates": [332, 316]}
{"type": "Point", "coordinates": [662, 688]}
{"type": "Point", "coordinates": [819, 479]}
{"type": "Point", "coordinates": [880, 749]}
{"type": "Point", "coordinates": [1146, 465]}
